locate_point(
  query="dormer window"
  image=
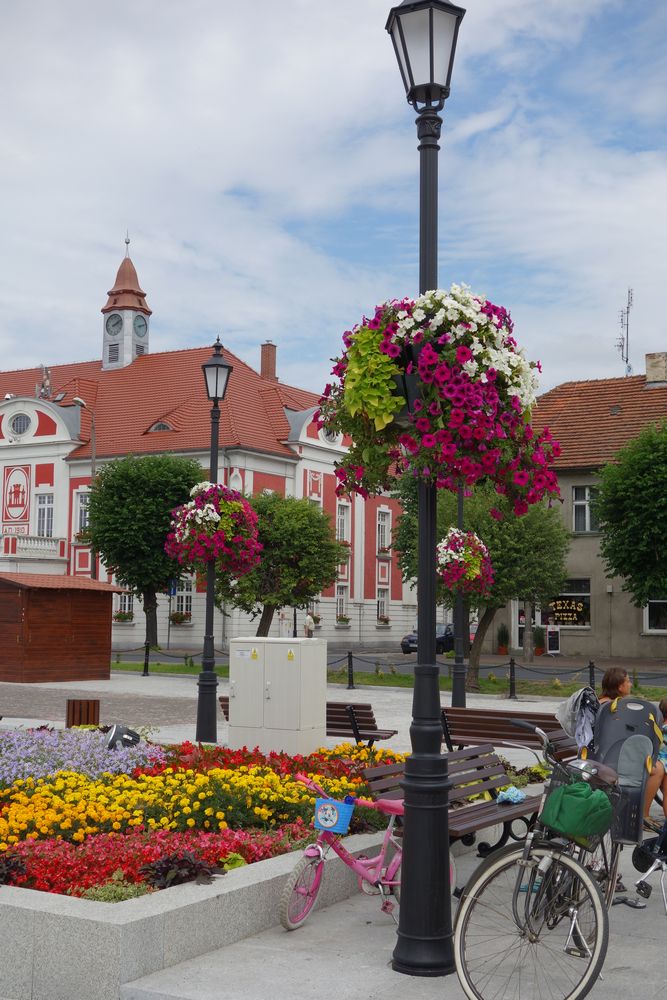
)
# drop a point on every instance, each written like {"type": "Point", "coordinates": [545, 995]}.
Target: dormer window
{"type": "Point", "coordinates": [160, 426]}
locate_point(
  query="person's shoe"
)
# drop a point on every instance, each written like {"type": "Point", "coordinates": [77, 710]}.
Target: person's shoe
{"type": "Point", "coordinates": [619, 885]}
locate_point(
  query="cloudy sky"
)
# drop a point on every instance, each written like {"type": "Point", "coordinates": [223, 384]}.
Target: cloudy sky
{"type": "Point", "coordinates": [263, 157]}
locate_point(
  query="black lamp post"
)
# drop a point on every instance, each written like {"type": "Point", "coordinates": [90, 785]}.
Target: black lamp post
{"type": "Point", "coordinates": [424, 34]}
{"type": "Point", "coordinates": [216, 374]}
{"type": "Point", "coordinates": [459, 673]}
{"type": "Point", "coordinates": [80, 402]}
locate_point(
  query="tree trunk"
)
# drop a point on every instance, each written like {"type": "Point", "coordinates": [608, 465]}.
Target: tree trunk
{"type": "Point", "coordinates": [268, 612]}
{"type": "Point", "coordinates": [528, 633]}
{"type": "Point", "coordinates": [472, 677]}
{"type": "Point", "coordinates": [149, 599]}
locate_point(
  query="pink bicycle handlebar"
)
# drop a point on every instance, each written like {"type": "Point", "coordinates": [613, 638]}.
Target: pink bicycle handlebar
{"type": "Point", "coordinates": [392, 807]}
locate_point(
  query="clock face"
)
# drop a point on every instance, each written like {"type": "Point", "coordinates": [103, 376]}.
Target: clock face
{"type": "Point", "coordinates": [114, 324]}
{"type": "Point", "coordinates": [140, 325]}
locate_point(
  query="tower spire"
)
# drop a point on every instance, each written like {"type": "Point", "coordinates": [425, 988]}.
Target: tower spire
{"type": "Point", "coordinates": [127, 242]}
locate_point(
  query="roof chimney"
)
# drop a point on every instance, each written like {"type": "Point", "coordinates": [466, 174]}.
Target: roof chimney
{"type": "Point", "coordinates": [268, 361]}
{"type": "Point", "coordinates": [656, 368]}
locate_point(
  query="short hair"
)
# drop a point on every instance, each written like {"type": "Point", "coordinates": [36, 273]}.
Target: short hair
{"type": "Point", "coordinates": [663, 708]}
{"type": "Point", "coordinates": [612, 680]}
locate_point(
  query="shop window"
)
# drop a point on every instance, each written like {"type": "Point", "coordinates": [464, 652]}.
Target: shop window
{"type": "Point", "coordinates": [572, 607]}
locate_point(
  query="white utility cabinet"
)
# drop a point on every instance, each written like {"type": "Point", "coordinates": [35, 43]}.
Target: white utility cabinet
{"type": "Point", "coordinates": [278, 694]}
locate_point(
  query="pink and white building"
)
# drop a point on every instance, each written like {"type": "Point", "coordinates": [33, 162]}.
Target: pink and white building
{"type": "Point", "coordinates": [60, 423]}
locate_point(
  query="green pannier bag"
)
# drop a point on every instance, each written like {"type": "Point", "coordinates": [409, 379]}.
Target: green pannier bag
{"type": "Point", "coordinates": [576, 810]}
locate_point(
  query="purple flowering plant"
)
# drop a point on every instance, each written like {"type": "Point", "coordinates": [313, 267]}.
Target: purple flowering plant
{"type": "Point", "coordinates": [471, 391]}
{"type": "Point", "coordinates": [36, 753]}
{"type": "Point", "coordinates": [463, 563]}
{"type": "Point", "coordinates": [217, 524]}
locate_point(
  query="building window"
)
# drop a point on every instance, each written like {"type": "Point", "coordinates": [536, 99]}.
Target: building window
{"type": "Point", "coordinates": [383, 531]}
{"type": "Point", "coordinates": [572, 607]}
{"type": "Point", "coordinates": [341, 602]}
{"type": "Point", "coordinates": [583, 518]}
{"type": "Point", "coordinates": [126, 604]}
{"type": "Point", "coordinates": [45, 515]}
{"type": "Point", "coordinates": [20, 423]}
{"type": "Point", "coordinates": [184, 596]}
{"type": "Point", "coordinates": [383, 604]}
{"type": "Point", "coordinates": [656, 615]}
{"type": "Point", "coordinates": [82, 516]}
{"type": "Point", "coordinates": [343, 522]}
{"type": "Point", "coordinates": [113, 353]}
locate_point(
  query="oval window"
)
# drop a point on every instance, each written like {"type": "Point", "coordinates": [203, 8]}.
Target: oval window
{"type": "Point", "coordinates": [20, 423]}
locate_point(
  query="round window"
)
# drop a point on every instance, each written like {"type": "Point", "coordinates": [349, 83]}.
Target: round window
{"type": "Point", "coordinates": [331, 437]}
{"type": "Point", "coordinates": [20, 423]}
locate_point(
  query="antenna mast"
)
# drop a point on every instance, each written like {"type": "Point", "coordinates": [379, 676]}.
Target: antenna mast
{"type": "Point", "coordinates": [623, 342]}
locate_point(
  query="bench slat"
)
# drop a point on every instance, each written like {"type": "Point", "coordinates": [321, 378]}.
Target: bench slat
{"type": "Point", "coordinates": [344, 719]}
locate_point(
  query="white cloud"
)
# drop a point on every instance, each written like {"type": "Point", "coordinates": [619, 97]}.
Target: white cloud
{"type": "Point", "coordinates": [264, 159]}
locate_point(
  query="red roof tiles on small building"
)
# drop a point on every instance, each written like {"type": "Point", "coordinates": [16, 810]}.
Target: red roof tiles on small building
{"type": "Point", "coordinates": [593, 420]}
{"type": "Point", "coordinates": [53, 581]}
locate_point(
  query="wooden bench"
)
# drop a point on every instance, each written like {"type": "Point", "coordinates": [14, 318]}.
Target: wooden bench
{"type": "Point", "coordinates": [347, 720]}
{"type": "Point", "coordinates": [472, 771]}
{"type": "Point", "coordinates": [464, 727]}
{"type": "Point", "coordinates": [82, 712]}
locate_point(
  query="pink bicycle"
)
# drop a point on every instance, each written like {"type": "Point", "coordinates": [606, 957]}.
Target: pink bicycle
{"type": "Point", "coordinates": [379, 875]}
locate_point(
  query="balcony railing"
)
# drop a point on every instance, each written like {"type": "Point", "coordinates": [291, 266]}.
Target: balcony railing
{"type": "Point", "coordinates": [32, 547]}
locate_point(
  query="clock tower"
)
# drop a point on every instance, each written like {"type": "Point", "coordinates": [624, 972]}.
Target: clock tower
{"type": "Point", "coordinates": [126, 318]}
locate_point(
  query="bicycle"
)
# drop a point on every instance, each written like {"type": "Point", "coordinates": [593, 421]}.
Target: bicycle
{"type": "Point", "coordinates": [533, 918]}
{"type": "Point", "coordinates": [377, 875]}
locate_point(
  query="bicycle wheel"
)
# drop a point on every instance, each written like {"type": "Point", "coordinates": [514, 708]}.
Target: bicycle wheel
{"type": "Point", "coordinates": [300, 892]}
{"type": "Point", "coordinates": [530, 930]}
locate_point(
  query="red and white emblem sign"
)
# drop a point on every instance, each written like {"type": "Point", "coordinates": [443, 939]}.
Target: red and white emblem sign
{"type": "Point", "coordinates": [16, 494]}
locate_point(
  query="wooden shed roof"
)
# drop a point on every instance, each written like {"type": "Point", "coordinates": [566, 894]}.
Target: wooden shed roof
{"type": "Point", "coordinates": [54, 581]}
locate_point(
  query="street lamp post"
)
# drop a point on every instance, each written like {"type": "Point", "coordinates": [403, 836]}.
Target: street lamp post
{"type": "Point", "coordinates": [459, 672]}
{"type": "Point", "coordinates": [78, 401]}
{"type": "Point", "coordinates": [216, 374]}
{"type": "Point", "coordinates": [424, 34]}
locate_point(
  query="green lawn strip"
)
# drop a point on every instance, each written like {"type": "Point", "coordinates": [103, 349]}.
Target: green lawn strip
{"type": "Point", "coordinates": [166, 668]}
{"type": "Point", "coordinates": [383, 676]}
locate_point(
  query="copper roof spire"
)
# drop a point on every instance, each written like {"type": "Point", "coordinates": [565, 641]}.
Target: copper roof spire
{"type": "Point", "coordinates": [126, 292]}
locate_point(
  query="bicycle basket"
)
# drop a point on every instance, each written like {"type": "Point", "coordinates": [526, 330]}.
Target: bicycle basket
{"type": "Point", "coordinates": [573, 808]}
{"type": "Point", "coordinates": [333, 816]}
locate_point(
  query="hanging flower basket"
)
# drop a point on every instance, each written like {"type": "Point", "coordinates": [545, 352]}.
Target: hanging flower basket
{"type": "Point", "coordinates": [216, 525]}
{"type": "Point", "coordinates": [462, 561]}
{"type": "Point", "coordinates": [469, 389]}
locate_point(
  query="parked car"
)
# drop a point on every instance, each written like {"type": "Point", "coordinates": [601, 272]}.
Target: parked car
{"type": "Point", "coordinates": [444, 640]}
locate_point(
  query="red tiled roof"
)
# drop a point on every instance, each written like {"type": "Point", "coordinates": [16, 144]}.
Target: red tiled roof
{"type": "Point", "coordinates": [593, 420]}
{"type": "Point", "coordinates": [169, 386]}
{"type": "Point", "coordinates": [52, 581]}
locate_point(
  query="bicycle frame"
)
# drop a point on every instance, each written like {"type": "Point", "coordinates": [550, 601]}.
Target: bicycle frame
{"type": "Point", "coordinates": [374, 871]}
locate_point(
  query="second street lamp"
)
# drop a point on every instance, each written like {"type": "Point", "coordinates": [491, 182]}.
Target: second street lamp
{"type": "Point", "coordinates": [216, 374]}
{"type": "Point", "coordinates": [424, 34]}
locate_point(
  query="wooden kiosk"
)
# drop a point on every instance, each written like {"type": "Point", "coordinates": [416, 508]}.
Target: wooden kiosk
{"type": "Point", "coordinates": [54, 628]}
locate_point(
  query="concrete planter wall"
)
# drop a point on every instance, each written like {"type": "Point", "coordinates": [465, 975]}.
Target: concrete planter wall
{"type": "Point", "coordinates": [62, 948]}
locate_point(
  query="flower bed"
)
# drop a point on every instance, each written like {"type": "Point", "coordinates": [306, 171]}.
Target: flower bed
{"type": "Point", "coordinates": [74, 815]}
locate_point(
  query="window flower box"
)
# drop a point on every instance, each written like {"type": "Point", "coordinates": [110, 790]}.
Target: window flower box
{"type": "Point", "coordinates": [180, 617]}
{"type": "Point", "coordinates": [123, 617]}
{"type": "Point", "coordinates": [383, 620]}
{"type": "Point", "coordinates": [343, 620]}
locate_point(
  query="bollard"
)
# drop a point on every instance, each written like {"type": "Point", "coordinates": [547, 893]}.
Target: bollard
{"type": "Point", "coordinates": [591, 674]}
{"type": "Point", "coordinates": [147, 653]}
{"type": "Point", "coordinates": [350, 672]}
{"type": "Point", "coordinates": [512, 680]}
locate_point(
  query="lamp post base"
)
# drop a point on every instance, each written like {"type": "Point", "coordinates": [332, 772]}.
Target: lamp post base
{"type": "Point", "coordinates": [207, 707]}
